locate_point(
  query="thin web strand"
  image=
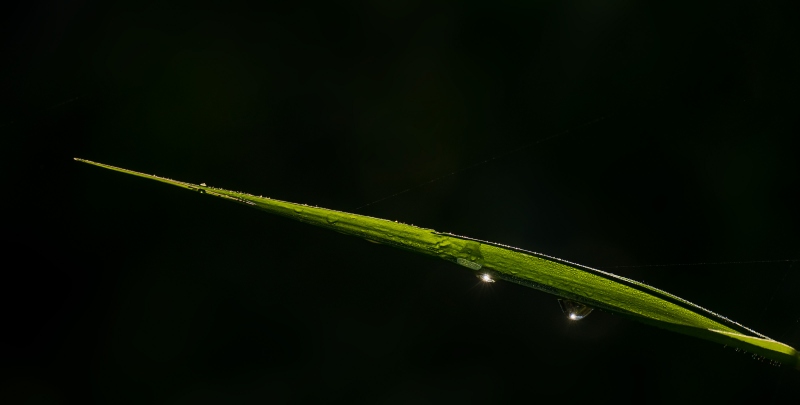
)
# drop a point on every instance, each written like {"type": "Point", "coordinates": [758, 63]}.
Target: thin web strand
{"type": "Point", "coordinates": [23, 117]}
{"type": "Point", "coordinates": [485, 161]}
{"type": "Point", "coordinates": [702, 263]}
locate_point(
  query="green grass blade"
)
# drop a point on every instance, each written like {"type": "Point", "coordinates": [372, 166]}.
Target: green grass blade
{"type": "Point", "coordinates": [595, 288]}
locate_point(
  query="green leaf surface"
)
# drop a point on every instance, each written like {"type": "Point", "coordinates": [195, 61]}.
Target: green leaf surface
{"type": "Point", "coordinates": [592, 287]}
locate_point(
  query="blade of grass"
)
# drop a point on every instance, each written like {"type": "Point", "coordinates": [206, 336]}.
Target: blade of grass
{"type": "Point", "coordinates": [592, 287]}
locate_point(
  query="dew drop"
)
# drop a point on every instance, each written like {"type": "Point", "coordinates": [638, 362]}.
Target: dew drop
{"type": "Point", "coordinates": [575, 310]}
{"type": "Point", "coordinates": [332, 219]}
{"type": "Point", "coordinates": [298, 210]}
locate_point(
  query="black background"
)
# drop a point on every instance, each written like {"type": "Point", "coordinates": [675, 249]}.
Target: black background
{"type": "Point", "coordinates": [613, 134]}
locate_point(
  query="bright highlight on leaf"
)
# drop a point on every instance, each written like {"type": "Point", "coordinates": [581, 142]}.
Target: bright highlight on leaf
{"type": "Point", "coordinates": [580, 288]}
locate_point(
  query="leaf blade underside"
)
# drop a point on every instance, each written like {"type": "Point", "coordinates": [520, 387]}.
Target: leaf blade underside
{"type": "Point", "coordinates": [592, 287]}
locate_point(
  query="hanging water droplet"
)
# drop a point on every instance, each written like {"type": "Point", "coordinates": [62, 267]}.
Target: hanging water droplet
{"type": "Point", "coordinates": [575, 310]}
{"type": "Point", "coordinates": [486, 278]}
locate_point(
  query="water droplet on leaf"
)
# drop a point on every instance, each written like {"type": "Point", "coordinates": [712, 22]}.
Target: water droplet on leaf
{"type": "Point", "coordinates": [575, 310]}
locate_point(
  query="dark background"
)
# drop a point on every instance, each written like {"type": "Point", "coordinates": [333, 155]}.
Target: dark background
{"type": "Point", "coordinates": [613, 134]}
